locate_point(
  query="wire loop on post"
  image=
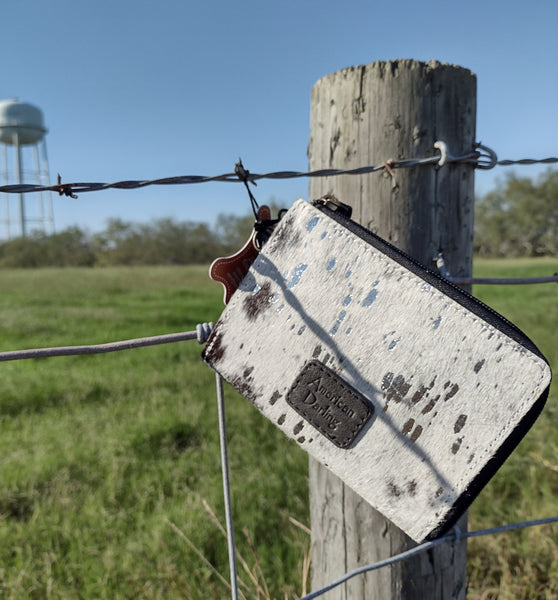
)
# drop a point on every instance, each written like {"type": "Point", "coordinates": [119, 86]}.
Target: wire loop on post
{"type": "Point", "coordinates": [458, 534]}
{"type": "Point", "coordinates": [476, 158]}
{"type": "Point", "coordinates": [488, 161]}
{"type": "Point", "coordinates": [441, 265]}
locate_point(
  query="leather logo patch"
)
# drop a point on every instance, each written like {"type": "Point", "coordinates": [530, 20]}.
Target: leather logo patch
{"type": "Point", "coordinates": [330, 404]}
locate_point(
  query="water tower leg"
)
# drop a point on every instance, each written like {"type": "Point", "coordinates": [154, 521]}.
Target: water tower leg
{"type": "Point", "coordinates": [46, 181]}
{"type": "Point", "coordinates": [6, 197]}
{"type": "Point", "coordinates": [19, 169]}
{"type": "Point", "coordinates": [40, 199]}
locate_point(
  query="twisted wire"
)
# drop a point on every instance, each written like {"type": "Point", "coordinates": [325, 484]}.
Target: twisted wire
{"type": "Point", "coordinates": [528, 161]}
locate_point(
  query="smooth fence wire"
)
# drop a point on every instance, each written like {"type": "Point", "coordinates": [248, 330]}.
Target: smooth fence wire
{"type": "Point", "coordinates": [456, 536]}
{"type": "Point", "coordinates": [98, 348]}
{"type": "Point", "coordinates": [201, 333]}
{"type": "Point", "coordinates": [441, 266]}
{"type": "Point", "coordinates": [226, 486]}
{"type": "Point", "coordinates": [503, 280]}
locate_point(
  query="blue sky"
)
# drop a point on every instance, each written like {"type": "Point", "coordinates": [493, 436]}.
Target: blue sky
{"type": "Point", "coordinates": [141, 90]}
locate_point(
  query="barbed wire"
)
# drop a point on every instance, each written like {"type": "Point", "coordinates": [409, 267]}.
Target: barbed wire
{"type": "Point", "coordinates": [527, 161]}
{"type": "Point", "coordinates": [481, 157]}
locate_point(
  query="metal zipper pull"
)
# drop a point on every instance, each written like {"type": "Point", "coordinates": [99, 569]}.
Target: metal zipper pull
{"type": "Point", "coordinates": [330, 202]}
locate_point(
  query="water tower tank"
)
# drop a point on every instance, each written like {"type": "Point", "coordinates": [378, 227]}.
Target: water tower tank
{"type": "Point", "coordinates": [24, 161]}
{"type": "Point", "coordinates": [22, 120]}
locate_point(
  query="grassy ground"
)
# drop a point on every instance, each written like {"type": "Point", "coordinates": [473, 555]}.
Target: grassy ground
{"type": "Point", "coordinates": [110, 463]}
{"type": "Point", "coordinates": [100, 453]}
{"type": "Point", "coordinates": [521, 564]}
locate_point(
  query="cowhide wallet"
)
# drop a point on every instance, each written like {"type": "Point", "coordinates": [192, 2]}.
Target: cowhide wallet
{"type": "Point", "coordinates": [409, 389]}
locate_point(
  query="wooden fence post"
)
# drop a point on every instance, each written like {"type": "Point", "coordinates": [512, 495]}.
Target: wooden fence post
{"type": "Point", "coordinates": [362, 116]}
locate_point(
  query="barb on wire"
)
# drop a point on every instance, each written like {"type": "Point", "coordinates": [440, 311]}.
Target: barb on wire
{"type": "Point", "coordinates": [244, 176]}
{"type": "Point", "coordinates": [481, 157]}
{"type": "Point", "coordinates": [64, 189]}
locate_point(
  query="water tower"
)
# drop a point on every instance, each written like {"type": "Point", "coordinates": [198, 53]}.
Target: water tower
{"type": "Point", "coordinates": [24, 160]}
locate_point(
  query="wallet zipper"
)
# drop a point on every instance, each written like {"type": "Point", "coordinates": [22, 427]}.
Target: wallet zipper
{"type": "Point", "coordinates": [341, 214]}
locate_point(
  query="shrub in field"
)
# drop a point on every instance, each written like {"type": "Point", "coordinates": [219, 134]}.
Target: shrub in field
{"type": "Point", "coordinates": [70, 247]}
{"type": "Point", "coordinates": [163, 242]}
{"type": "Point", "coordinates": [519, 218]}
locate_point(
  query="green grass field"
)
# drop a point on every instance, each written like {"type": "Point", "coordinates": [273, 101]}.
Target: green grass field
{"type": "Point", "coordinates": [110, 466]}
{"type": "Point", "coordinates": [522, 564]}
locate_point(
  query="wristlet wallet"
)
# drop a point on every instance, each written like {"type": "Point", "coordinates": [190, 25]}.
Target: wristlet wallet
{"type": "Point", "coordinates": [406, 387]}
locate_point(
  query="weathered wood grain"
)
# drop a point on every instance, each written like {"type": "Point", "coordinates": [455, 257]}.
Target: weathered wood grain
{"type": "Point", "coordinates": [366, 115]}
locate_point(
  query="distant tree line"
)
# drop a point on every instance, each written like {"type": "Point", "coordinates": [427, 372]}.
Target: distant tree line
{"type": "Point", "coordinates": [518, 218]}
{"type": "Point", "coordinates": [164, 242]}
